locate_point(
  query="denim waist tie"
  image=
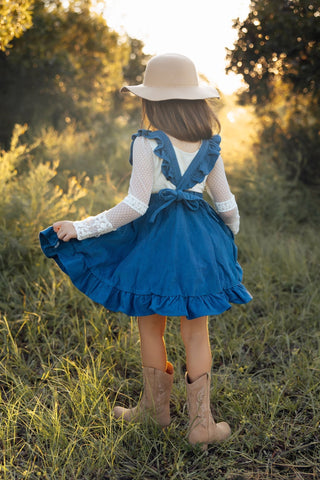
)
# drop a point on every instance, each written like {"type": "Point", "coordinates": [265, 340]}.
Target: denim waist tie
{"type": "Point", "coordinates": [190, 199]}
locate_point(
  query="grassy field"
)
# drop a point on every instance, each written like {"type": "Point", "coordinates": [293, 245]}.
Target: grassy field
{"type": "Point", "coordinates": [66, 361]}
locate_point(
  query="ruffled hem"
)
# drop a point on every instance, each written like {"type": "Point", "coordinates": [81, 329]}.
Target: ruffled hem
{"type": "Point", "coordinates": [192, 307]}
{"type": "Point", "coordinates": [207, 155]}
{"type": "Point", "coordinates": [135, 304]}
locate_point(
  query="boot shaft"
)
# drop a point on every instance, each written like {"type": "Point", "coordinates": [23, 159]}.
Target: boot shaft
{"type": "Point", "coordinates": [203, 429]}
{"type": "Point", "coordinates": [155, 400]}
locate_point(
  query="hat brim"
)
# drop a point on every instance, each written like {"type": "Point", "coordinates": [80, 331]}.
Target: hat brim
{"type": "Point", "coordinates": [157, 94]}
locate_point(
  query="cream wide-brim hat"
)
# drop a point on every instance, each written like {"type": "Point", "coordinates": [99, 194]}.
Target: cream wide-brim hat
{"type": "Point", "coordinates": [171, 76]}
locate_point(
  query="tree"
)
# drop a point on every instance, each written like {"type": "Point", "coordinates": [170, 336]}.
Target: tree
{"type": "Point", "coordinates": [278, 54]}
{"type": "Point", "coordinates": [66, 68]}
{"type": "Point", "coordinates": [15, 19]}
{"type": "Point", "coordinates": [278, 39]}
{"type": "Point", "coordinates": [132, 75]}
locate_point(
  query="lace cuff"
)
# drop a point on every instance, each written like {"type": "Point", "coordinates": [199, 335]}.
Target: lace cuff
{"type": "Point", "coordinates": [93, 226]}
{"type": "Point", "coordinates": [135, 204]}
{"type": "Point", "coordinates": [227, 205]}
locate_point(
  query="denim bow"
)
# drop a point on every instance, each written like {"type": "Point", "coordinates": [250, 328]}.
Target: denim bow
{"type": "Point", "coordinates": [190, 199]}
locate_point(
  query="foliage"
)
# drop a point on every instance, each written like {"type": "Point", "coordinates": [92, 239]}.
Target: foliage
{"type": "Point", "coordinates": [56, 176]}
{"type": "Point", "coordinates": [278, 39]}
{"type": "Point", "coordinates": [67, 60]}
{"type": "Point", "coordinates": [133, 74]}
{"type": "Point", "coordinates": [29, 199]}
{"type": "Point", "coordinates": [15, 18]}
{"type": "Point", "coordinates": [278, 54]}
{"type": "Point", "coordinates": [290, 135]}
{"type": "Point", "coordinates": [67, 68]}
{"type": "Point", "coordinates": [89, 153]}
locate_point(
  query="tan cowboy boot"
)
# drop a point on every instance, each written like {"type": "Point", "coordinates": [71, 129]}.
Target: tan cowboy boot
{"type": "Point", "coordinates": [155, 398]}
{"type": "Point", "coordinates": [203, 429]}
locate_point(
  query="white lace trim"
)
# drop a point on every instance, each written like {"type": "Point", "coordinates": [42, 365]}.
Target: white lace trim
{"type": "Point", "coordinates": [227, 205]}
{"type": "Point", "coordinates": [93, 226]}
{"type": "Point", "coordinates": [135, 204]}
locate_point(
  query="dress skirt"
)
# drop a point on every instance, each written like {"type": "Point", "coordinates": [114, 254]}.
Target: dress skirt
{"type": "Point", "coordinates": [177, 259]}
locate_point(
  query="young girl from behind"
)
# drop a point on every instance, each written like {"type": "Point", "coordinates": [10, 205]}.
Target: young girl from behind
{"type": "Point", "coordinates": [164, 251]}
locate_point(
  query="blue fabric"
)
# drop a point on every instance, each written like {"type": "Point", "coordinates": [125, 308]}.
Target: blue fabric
{"type": "Point", "coordinates": [198, 169]}
{"type": "Point", "coordinates": [177, 259]}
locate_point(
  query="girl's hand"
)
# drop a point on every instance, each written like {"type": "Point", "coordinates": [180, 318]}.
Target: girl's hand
{"type": "Point", "coordinates": [65, 230]}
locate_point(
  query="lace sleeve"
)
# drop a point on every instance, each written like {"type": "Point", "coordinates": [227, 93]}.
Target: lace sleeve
{"type": "Point", "coordinates": [134, 205]}
{"type": "Point", "coordinates": [225, 203]}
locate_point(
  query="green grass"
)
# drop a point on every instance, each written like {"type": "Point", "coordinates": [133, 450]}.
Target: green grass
{"type": "Point", "coordinates": [65, 362]}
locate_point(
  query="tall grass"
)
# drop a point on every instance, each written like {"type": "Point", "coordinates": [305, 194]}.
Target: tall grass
{"type": "Point", "coordinates": [66, 361]}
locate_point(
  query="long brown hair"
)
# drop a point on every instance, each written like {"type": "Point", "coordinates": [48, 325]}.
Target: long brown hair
{"type": "Point", "coordinates": [188, 120]}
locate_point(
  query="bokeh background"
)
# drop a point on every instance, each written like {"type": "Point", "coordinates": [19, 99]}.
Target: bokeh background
{"type": "Point", "coordinates": [64, 146]}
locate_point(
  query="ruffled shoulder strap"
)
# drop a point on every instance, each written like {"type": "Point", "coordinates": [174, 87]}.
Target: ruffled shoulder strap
{"type": "Point", "coordinates": [164, 150]}
{"type": "Point", "coordinates": [203, 163]}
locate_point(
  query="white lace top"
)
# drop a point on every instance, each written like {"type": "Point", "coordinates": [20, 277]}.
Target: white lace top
{"type": "Point", "coordinates": [147, 178]}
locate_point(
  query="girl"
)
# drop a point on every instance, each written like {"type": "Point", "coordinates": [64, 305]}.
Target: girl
{"type": "Point", "coordinates": [163, 250]}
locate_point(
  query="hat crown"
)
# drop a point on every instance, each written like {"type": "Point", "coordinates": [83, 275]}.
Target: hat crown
{"type": "Point", "coordinates": [170, 70]}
